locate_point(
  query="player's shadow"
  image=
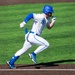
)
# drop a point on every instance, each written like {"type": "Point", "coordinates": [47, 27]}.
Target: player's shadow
{"type": "Point", "coordinates": [46, 64]}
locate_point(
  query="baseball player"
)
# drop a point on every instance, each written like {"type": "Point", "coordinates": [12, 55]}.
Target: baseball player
{"type": "Point", "coordinates": [33, 36]}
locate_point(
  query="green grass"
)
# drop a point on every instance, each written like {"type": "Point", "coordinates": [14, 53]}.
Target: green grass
{"type": "Point", "coordinates": [61, 37]}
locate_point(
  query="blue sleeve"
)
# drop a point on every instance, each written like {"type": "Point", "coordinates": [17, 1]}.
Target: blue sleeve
{"type": "Point", "coordinates": [28, 17]}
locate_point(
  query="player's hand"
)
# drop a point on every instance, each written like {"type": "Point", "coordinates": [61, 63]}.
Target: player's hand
{"type": "Point", "coordinates": [53, 19]}
{"type": "Point", "coordinates": [22, 24]}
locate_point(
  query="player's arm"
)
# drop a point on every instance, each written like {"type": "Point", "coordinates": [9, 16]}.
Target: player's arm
{"type": "Point", "coordinates": [52, 23]}
{"type": "Point", "coordinates": [28, 17]}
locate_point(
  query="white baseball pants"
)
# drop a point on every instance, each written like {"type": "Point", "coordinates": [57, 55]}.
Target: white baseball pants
{"type": "Point", "coordinates": [32, 39]}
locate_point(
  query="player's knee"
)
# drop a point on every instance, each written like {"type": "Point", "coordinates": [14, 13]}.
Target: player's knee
{"type": "Point", "coordinates": [47, 45]}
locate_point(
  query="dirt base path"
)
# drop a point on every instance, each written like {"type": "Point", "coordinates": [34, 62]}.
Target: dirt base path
{"type": "Point", "coordinates": [39, 69]}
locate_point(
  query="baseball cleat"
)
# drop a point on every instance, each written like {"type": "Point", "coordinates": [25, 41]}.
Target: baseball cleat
{"type": "Point", "coordinates": [10, 66]}
{"type": "Point", "coordinates": [33, 57]}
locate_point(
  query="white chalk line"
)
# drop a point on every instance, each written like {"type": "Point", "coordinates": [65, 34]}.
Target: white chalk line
{"type": "Point", "coordinates": [37, 69]}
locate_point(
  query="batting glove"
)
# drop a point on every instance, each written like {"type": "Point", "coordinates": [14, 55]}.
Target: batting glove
{"type": "Point", "coordinates": [53, 19]}
{"type": "Point", "coordinates": [22, 24]}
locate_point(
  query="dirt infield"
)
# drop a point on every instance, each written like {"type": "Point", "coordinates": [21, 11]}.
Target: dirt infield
{"type": "Point", "coordinates": [47, 68]}
{"type": "Point", "coordinates": [39, 69]}
{"type": "Point", "coordinates": [9, 2]}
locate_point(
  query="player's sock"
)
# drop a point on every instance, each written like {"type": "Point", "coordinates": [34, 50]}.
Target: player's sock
{"type": "Point", "coordinates": [13, 59]}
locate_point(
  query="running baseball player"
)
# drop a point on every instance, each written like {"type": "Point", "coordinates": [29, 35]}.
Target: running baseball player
{"type": "Point", "coordinates": [33, 36]}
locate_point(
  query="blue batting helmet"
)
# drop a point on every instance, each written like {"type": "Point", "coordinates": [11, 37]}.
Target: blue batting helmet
{"type": "Point", "coordinates": [47, 9]}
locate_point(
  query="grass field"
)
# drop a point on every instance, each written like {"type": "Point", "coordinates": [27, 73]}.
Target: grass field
{"type": "Point", "coordinates": [61, 37]}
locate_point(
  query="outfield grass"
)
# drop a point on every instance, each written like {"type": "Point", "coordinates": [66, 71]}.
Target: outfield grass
{"type": "Point", "coordinates": [61, 37]}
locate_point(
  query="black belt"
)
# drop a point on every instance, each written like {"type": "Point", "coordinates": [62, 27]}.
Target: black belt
{"type": "Point", "coordinates": [33, 33]}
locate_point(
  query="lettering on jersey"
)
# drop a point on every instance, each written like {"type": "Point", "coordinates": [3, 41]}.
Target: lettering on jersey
{"type": "Point", "coordinates": [43, 22]}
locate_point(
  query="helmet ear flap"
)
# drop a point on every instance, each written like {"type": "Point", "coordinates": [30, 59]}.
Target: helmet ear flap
{"type": "Point", "coordinates": [47, 9]}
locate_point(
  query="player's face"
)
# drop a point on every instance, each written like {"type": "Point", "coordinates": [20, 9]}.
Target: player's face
{"type": "Point", "coordinates": [49, 15]}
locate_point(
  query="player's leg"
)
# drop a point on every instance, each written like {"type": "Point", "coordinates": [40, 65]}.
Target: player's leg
{"type": "Point", "coordinates": [25, 47]}
{"type": "Point", "coordinates": [42, 43]}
